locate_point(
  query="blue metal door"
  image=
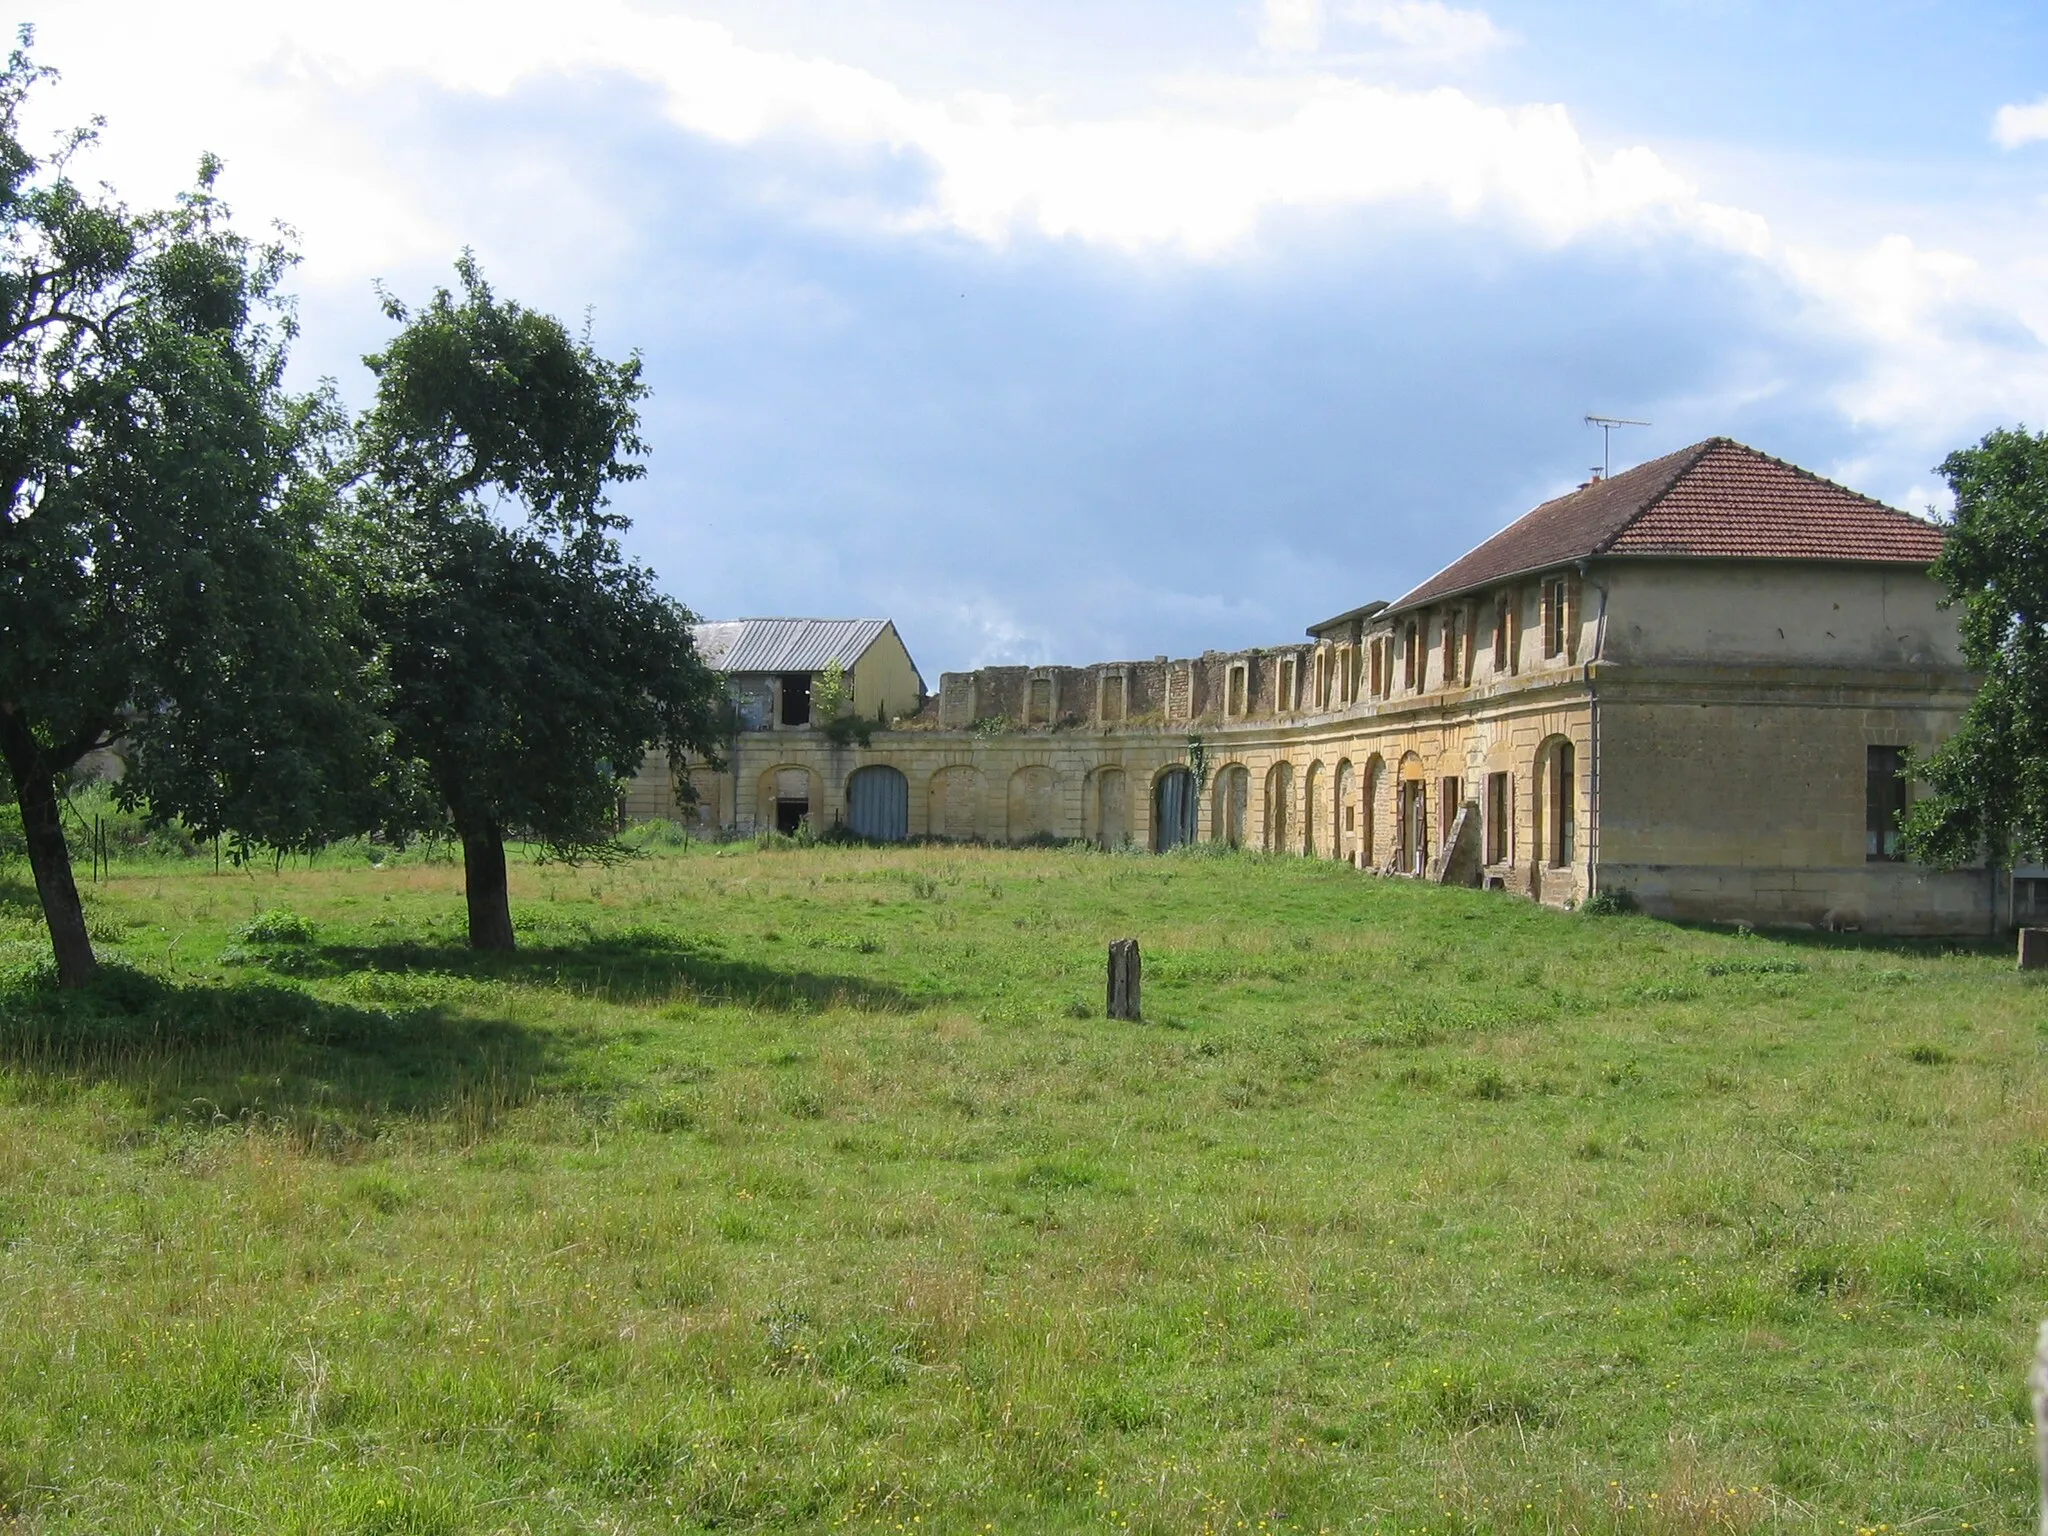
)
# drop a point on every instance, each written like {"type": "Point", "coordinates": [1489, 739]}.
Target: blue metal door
{"type": "Point", "coordinates": [1173, 810]}
{"type": "Point", "coordinates": [878, 803]}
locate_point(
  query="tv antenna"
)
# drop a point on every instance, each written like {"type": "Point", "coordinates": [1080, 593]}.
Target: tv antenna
{"type": "Point", "coordinates": [1607, 424]}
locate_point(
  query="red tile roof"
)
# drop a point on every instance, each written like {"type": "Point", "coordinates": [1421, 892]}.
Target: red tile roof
{"type": "Point", "coordinates": [1715, 500]}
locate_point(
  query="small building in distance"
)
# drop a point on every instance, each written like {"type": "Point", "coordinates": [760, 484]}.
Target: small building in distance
{"type": "Point", "coordinates": [770, 667]}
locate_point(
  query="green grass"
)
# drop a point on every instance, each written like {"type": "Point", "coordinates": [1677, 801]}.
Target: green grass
{"type": "Point", "coordinates": [810, 1190]}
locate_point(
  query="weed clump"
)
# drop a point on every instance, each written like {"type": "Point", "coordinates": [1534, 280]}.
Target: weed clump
{"type": "Point", "coordinates": [279, 925]}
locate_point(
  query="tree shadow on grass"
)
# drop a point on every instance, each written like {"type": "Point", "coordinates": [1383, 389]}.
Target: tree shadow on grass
{"type": "Point", "coordinates": [638, 966]}
{"type": "Point", "coordinates": [263, 1054]}
{"type": "Point", "coordinates": [1918, 946]}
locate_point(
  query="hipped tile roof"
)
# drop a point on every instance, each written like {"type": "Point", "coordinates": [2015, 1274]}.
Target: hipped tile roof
{"type": "Point", "coordinates": [1715, 500]}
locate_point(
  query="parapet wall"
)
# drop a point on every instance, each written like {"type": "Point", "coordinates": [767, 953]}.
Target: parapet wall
{"type": "Point", "coordinates": [1160, 694]}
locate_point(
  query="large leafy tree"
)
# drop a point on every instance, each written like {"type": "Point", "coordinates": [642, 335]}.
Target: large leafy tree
{"type": "Point", "coordinates": [1989, 781]}
{"type": "Point", "coordinates": [530, 663]}
{"type": "Point", "coordinates": [162, 583]}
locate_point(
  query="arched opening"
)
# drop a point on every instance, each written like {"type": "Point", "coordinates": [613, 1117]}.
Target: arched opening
{"type": "Point", "coordinates": [878, 803]}
{"type": "Point", "coordinates": [784, 801]}
{"type": "Point", "coordinates": [953, 803]}
{"type": "Point", "coordinates": [1173, 809]}
{"type": "Point", "coordinates": [1233, 805]}
{"type": "Point", "coordinates": [1112, 810]}
{"type": "Point", "coordinates": [1344, 812]}
{"type": "Point", "coordinates": [1034, 804]}
{"type": "Point", "coordinates": [1411, 813]}
{"type": "Point", "coordinates": [1557, 801]}
{"type": "Point", "coordinates": [1369, 811]}
{"type": "Point", "coordinates": [1279, 805]}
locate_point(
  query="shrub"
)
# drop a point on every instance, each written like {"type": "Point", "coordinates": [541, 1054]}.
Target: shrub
{"type": "Point", "coordinates": [277, 926]}
{"type": "Point", "coordinates": [1617, 901]}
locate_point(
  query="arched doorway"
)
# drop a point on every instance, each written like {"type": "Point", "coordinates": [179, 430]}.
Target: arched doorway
{"type": "Point", "coordinates": [1173, 809]}
{"type": "Point", "coordinates": [1233, 804]}
{"type": "Point", "coordinates": [878, 803]}
{"type": "Point", "coordinates": [1344, 812]}
{"type": "Point", "coordinates": [1112, 808]}
{"type": "Point", "coordinates": [1279, 805]}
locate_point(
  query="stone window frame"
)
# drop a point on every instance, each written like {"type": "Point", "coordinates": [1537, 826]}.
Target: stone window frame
{"type": "Point", "coordinates": [1052, 695]}
{"type": "Point", "coordinates": [1414, 656]}
{"type": "Point", "coordinates": [1237, 690]}
{"type": "Point", "coordinates": [1113, 681]}
{"type": "Point", "coordinates": [1507, 649]}
{"type": "Point", "coordinates": [1558, 606]}
{"type": "Point", "coordinates": [1287, 686]}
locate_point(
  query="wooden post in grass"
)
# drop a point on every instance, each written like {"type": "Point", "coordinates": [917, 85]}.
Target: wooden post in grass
{"type": "Point", "coordinates": [2037, 1379]}
{"type": "Point", "coordinates": [2034, 949]}
{"type": "Point", "coordinates": [1123, 979]}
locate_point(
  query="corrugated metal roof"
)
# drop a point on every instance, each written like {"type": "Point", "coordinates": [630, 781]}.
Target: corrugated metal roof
{"type": "Point", "coordinates": [785, 645]}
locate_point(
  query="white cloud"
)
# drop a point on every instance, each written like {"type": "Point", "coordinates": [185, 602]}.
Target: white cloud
{"type": "Point", "coordinates": [1190, 181]}
{"type": "Point", "coordinates": [2016, 125]}
{"type": "Point", "coordinates": [1291, 26]}
{"type": "Point", "coordinates": [290, 95]}
{"type": "Point", "coordinates": [1429, 30]}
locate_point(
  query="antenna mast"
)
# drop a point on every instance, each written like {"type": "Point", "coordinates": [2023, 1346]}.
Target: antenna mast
{"type": "Point", "coordinates": [1607, 424]}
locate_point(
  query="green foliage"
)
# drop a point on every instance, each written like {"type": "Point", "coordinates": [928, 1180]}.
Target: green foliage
{"type": "Point", "coordinates": [1617, 901]}
{"type": "Point", "coordinates": [1989, 781]}
{"type": "Point", "coordinates": [279, 925]}
{"type": "Point", "coordinates": [831, 693]}
{"type": "Point", "coordinates": [530, 664]}
{"type": "Point", "coordinates": [162, 579]}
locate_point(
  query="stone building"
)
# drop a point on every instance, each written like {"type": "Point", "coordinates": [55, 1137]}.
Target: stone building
{"type": "Point", "coordinates": [1693, 681]}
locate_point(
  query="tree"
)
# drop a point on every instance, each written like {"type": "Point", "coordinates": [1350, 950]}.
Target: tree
{"type": "Point", "coordinates": [162, 583]}
{"type": "Point", "coordinates": [530, 663]}
{"type": "Point", "coordinates": [1990, 780]}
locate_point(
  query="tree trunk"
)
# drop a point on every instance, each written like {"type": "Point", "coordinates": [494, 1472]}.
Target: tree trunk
{"type": "Point", "coordinates": [483, 878]}
{"type": "Point", "coordinates": [36, 793]}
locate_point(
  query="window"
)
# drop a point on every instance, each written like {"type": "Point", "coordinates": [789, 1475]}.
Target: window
{"type": "Point", "coordinates": [1503, 634]}
{"type": "Point", "coordinates": [1884, 803]}
{"type": "Point", "coordinates": [1564, 803]}
{"type": "Point", "coordinates": [1451, 648]}
{"type": "Point", "coordinates": [1235, 689]}
{"type": "Point", "coordinates": [1556, 617]}
{"type": "Point", "coordinates": [1380, 669]}
{"type": "Point", "coordinates": [1112, 696]}
{"type": "Point", "coordinates": [1450, 799]}
{"type": "Point", "coordinates": [1287, 697]}
{"type": "Point", "coordinates": [1347, 674]}
{"type": "Point", "coordinates": [1323, 677]}
{"type": "Point", "coordinates": [1038, 702]}
{"type": "Point", "coordinates": [1499, 843]}
{"type": "Point", "coordinates": [1411, 655]}
{"type": "Point", "coordinates": [796, 698]}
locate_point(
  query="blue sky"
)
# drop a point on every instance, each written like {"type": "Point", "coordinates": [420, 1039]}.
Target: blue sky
{"type": "Point", "coordinates": [1074, 331]}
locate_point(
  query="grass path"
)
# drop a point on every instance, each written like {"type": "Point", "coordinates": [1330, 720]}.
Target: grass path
{"type": "Point", "coordinates": [810, 1190]}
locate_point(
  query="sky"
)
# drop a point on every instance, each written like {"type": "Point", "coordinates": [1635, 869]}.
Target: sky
{"type": "Point", "coordinates": [1079, 330]}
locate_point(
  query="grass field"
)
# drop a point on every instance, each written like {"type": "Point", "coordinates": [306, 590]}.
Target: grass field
{"type": "Point", "coordinates": [810, 1190]}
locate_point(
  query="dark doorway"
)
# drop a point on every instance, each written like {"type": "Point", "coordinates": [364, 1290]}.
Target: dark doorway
{"type": "Point", "coordinates": [790, 816]}
{"type": "Point", "coordinates": [796, 698]}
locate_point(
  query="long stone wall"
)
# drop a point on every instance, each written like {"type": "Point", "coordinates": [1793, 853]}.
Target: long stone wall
{"type": "Point", "coordinates": [1727, 785]}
